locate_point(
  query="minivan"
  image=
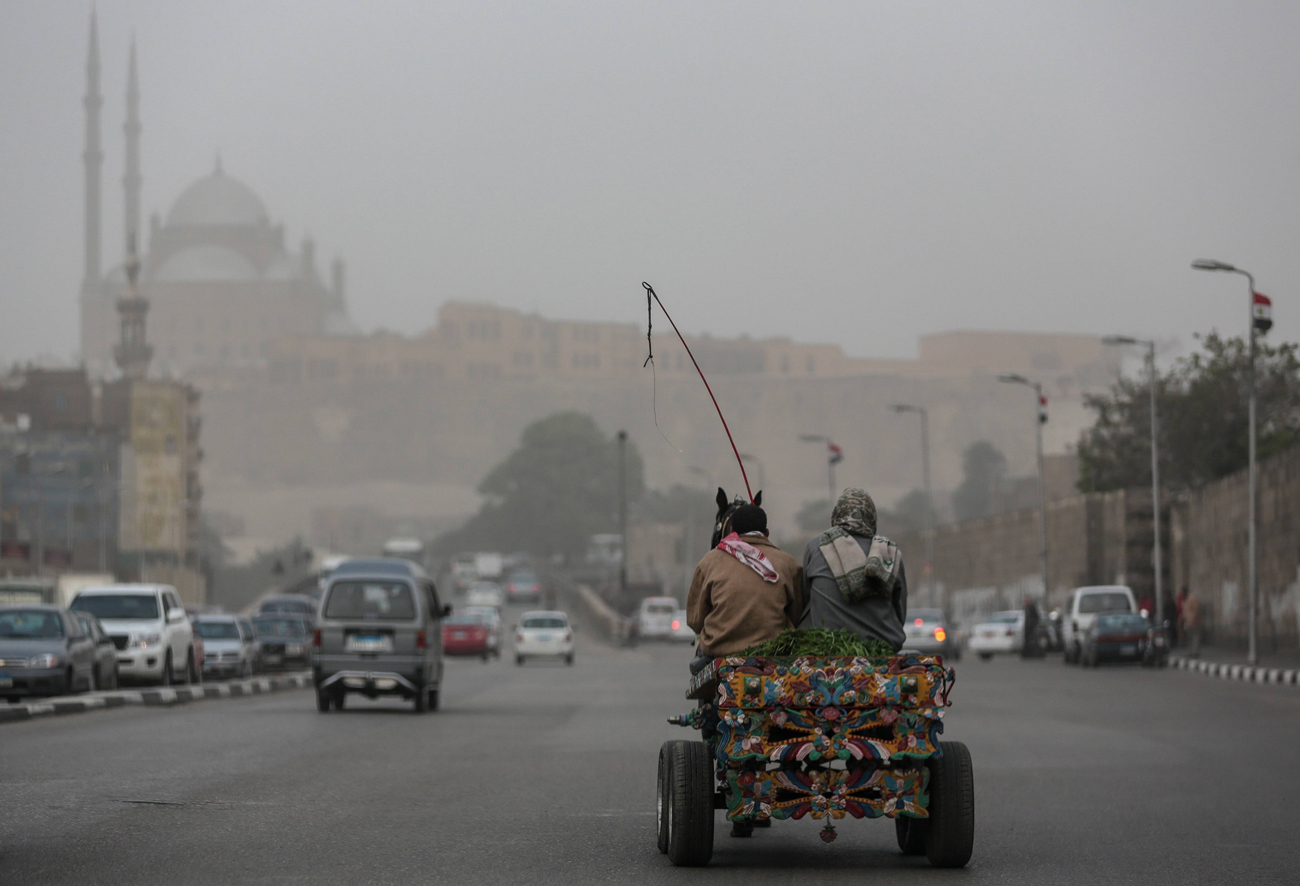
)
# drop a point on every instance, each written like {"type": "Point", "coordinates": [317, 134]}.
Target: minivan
{"type": "Point", "coordinates": [1085, 604]}
{"type": "Point", "coordinates": [378, 633]}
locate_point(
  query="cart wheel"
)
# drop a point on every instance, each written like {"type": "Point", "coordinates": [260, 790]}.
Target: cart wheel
{"type": "Point", "coordinates": [323, 699]}
{"type": "Point", "coordinates": [340, 699]}
{"type": "Point", "coordinates": [912, 834]}
{"type": "Point", "coordinates": [952, 807]}
{"type": "Point", "coordinates": [690, 804]}
{"type": "Point", "coordinates": [662, 792]}
{"type": "Point", "coordinates": [433, 699]}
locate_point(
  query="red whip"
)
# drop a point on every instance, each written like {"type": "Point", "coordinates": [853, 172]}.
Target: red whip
{"type": "Point", "coordinates": [651, 294]}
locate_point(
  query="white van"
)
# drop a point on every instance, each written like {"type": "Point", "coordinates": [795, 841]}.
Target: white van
{"type": "Point", "coordinates": [655, 620]}
{"type": "Point", "coordinates": [1085, 604]}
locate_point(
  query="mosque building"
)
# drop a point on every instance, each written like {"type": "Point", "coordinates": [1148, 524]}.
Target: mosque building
{"type": "Point", "coordinates": [221, 284]}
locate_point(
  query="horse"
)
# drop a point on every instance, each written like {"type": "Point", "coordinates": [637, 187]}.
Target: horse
{"type": "Point", "coordinates": [726, 508]}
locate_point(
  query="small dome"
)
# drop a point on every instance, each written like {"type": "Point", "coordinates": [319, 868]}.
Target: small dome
{"type": "Point", "coordinates": [204, 264]}
{"type": "Point", "coordinates": [217, 199]}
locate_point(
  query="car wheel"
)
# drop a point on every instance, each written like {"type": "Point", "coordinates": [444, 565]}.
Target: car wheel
{"type": "Point", "coordinates": [952, 807]}
{"type": "Point", "coordinates": [167, 678]}
{"type": "Point", "coordinates": [433, 699]}
{"type": "Point", "coordinates": [323, 700]}
{"type": "Point", "coordinates": [70, 682]}
{"type": "Point", "coordinates": [486, 656]}
{"type": "Point", "coordinates": [690, 804]}
{"type": "Point", "coordinates": [340, 699]}
{"type": "Point", "coordinates": [192, 674]}
{"type": "Point", "coordinates": [519, 660]}
{"type": "Point", "coordinates": [94, 679]}
{"type": "Point", "coordinates": [112, 680]}
{"type": "Point", "coordinates": [246, 670]}
{"type": "Point", "coordinates": [421, 700]}
{"type": "Point", "coordinates": [568, 659]}
{"type": "Point", "coordinates": [986, 656]}
{"type": "Point", "coordinates": [912, 834]}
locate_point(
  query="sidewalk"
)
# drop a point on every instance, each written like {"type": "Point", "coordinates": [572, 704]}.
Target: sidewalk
{"type": "Point", "coordinates": [1229, 663]}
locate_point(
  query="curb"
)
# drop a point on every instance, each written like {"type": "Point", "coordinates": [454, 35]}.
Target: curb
{"type": "Point", "coordinates": [1289, 676]}
{"type": "Point", "coordinates": [173, 695]}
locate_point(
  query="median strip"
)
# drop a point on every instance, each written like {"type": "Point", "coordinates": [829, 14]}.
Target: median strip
{"type": "Point", "coordinates": [166, 695]}
{"type": "Point", "coordinates": [1246, 673]}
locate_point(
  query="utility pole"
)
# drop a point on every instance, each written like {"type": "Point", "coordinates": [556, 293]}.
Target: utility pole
{"type": "Point", "coordinates": [1040, 415]}
{"type": "Point", "coordinates": [900, 408]}
{"type": "Point", "coordinates": [622, 510]}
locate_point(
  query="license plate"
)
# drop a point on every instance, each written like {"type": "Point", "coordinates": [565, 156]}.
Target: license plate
{"type": "Point", "coordinates": [459, 635]}
{"type": "Point", "coordinates": [369, 643]}
{"type": "Point", "coordinates": [543, 637]}
{"type": "Point", "coordinates": [273, 659]}
{"type": "Point", "coordinates": [1128, 649]}
{"type": "Point", "coordinates": [6, 681]}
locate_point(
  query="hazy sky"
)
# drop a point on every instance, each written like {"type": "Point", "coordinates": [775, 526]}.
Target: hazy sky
{"type": "Point", "coordinates": [859, 173]}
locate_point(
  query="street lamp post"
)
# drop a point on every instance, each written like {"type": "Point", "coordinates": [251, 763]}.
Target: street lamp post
{"type": "Point", "coordinates": [1016, 379]}
{"type": "Point", "coordinates": [1252, 594]}
{"type": "Point", "coordinates": [622, 510]}
{"type": "Point", "coordinates": [1156, 557]}
{"type": "Point", "coordinates": [831, 449]}
{"type": "Point", "coordinates": [929, 493]}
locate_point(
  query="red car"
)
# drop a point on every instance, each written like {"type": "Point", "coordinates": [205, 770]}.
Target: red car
{"type": "Point", "coordinates": [465, 635]}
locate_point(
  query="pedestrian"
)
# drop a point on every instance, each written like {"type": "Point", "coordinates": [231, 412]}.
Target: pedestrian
{"type": "Point", "coordinates": [1179, 636]}
{"type": "Point", "coordinates": [854, 579]}
{"type": "Point", "coordinates": [1191, 617]}
{"type": "Point", "coordinates": [1029, 647]}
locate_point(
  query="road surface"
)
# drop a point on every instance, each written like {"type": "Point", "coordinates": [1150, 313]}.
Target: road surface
{"type": "Point", "coordinates": [545, 774]}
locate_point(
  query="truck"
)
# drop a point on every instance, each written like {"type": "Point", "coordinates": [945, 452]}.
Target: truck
{"type": "Point", "coordinates": [489, 565]}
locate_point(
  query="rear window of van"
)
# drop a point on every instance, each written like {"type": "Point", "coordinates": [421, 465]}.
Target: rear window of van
{"type": "Point", "coordinates": [1103, 602]}
{"type": "Point", "coordinates": [373, 600]}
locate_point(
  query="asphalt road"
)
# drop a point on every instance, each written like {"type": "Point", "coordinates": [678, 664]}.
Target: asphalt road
{"type": "Point", "coordinates": [545, 774]}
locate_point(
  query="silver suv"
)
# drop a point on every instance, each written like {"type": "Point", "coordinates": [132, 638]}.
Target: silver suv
{"type": "Point", "coordinates": [378, 632]}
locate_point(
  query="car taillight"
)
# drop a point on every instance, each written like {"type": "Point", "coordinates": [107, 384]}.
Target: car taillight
{"type": "Point", "coordinates": [940, 634]}
{"type": "Point", "coordinates": [315, 638]}
{"type": "Point", "coordinates": [568, 635]}
{"type": "Point", "coordinates": [420, 640]}
{"type": "Point", "coordinates": [919, 622]}
{"type": "Point", "coordinates": [1011, 632]}
{"type": "Point", "coordinates": [677, 625]}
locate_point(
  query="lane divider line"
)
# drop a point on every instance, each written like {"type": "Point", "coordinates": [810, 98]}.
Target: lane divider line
{"type": "Point", "coordinates": [160, 697]}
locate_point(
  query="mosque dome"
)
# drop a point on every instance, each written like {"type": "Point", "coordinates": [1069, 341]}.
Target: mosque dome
{"type": "Point", "coordinates": [217, 199]}
{"type": "Point", "coordinates": [207, 263]}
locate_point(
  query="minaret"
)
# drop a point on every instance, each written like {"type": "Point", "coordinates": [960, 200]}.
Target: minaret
{"type": "Point", "coordinates": [131, 181]}
{"type": "Point", "coordinates": [93, 157]}
{"type": "Point", "coordinates": [133, 352]}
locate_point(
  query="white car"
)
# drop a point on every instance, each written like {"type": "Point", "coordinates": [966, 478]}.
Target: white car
{"type": "Point", "coordinates": [681, 630]}
{"type": "Point", "coordinates": [1085, 603]}
{"type": "Point", "coordinates": [1001, 633]}
{"type": "Point", "coordinates": [227, 649]}
{"type": "Point", "coordinates": [149, 627]}
{"type": "Point", "coordinates": [484, 593]}
{"type": "Point", "coordinates": [544, 633]}
{"type": "Point", "coordinates": [655, 620]}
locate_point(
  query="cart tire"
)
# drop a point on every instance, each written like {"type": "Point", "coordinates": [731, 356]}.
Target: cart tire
{"type": "Point", "coordinates": [912, 833]}
{"type": "Point", "coordinates": [952, 807]}
{"type": "Point", "coordinates": [690, 804]}
{"type": "Point", "coordinates": [662, 792]}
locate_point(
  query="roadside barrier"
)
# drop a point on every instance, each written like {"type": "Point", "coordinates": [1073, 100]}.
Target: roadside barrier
{"type": "Point", "coordinates": [1246, 673]}
{"type": "Point", "coordinates": [168, 695]}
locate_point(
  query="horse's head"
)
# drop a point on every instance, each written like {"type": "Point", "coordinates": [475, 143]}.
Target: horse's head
{"type": "Point", "coordinates": [727, 507]}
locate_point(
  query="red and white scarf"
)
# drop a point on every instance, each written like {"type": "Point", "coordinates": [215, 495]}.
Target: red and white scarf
{"type": "Point", "coordinates": [750, 556]}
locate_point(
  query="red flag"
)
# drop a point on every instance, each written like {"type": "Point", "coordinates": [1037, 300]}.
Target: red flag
{"type": "Point", "coordinates": [1263, 312]}
{"type": "Point", "coordinates": [834, 453]}
{"type": "Point", "coordinates": [1042, 409]}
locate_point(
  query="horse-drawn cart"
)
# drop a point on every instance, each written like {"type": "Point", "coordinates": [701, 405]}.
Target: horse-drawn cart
{"type": "Point", "coordinates": [822, 737]}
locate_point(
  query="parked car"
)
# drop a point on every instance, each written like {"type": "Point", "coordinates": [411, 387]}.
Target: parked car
{"type": "Point", "coordinates": [1003, 632]}
{"type": "Point", "coordinates": [484, 593]}
{"type": "Point", "coordinates": [492, 619]}
{"type": "Point", "coordinates": [681, 630]}
{"type": "Point", "coordinates": [229, 652]}
{"type": "Point", "coordinates": [524, 587]}
{"type": "Point", "coordinates": [149, 628]}
{"type": "Point", "coordinates": [105, 674]}
{"type": "Point", "coordinates": [379, 633]}
{"type": "Point", "coordinates": [544, 633]}
{"type": "Point", "coordinates": [1121, 636]}
{"type": "Point", "coordinates": [301, 605]}
{"type": "Point", "coordinates": [466, 633]}
{"type": "Point", "coordinates": [44, 650]}
{"type": "Point", "coordinates": [1085, 605]}
{"type": "Point", "coordinates": [928, 633]}
{"type": "Point", "coordinates": [655, 618]}
{"type": "Point", "coordinates": [286, 640]}
{"type": "Point", "coordinates": [249, 633]}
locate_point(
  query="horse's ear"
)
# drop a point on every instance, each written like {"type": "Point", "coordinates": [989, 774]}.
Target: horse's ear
{"type": "Point", "coordinates": [722, 500]}
{"type": "Point", "coordinates": [758, 498]}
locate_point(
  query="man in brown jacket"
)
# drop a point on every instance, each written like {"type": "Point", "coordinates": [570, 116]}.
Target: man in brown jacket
{"type": "Point", "coordinates": [744, 591]}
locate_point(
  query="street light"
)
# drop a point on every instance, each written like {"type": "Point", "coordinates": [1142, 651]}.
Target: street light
{"type": "Point", "coordinates": [833, 455]}
{"type": "Point", "coordinates": [1013, 378]}
{"type": "Point", "coordinates": [762, 472]}
{"type": "Point", "coordinates": [1254, 301]}
{"type": "Point", "coordinates": [901, 408]}
{"type": "Point", "coordinates": [1156, 558]}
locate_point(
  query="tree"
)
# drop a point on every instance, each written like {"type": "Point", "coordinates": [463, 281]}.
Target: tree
{"type": "Point", "coordinates": [908, 513]}
{"type": "Point", "coordinates": [984, 471]}
{"type": "Point", "coordinates": [556, 490]}
{"type": "Point", "coordinates": [1203, 415]}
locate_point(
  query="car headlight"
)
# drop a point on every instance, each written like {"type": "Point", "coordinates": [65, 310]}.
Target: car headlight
{"type": "Point", "coordinates": [144, 641]}
{"type": "Point", "coordinates": [46, 661]}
